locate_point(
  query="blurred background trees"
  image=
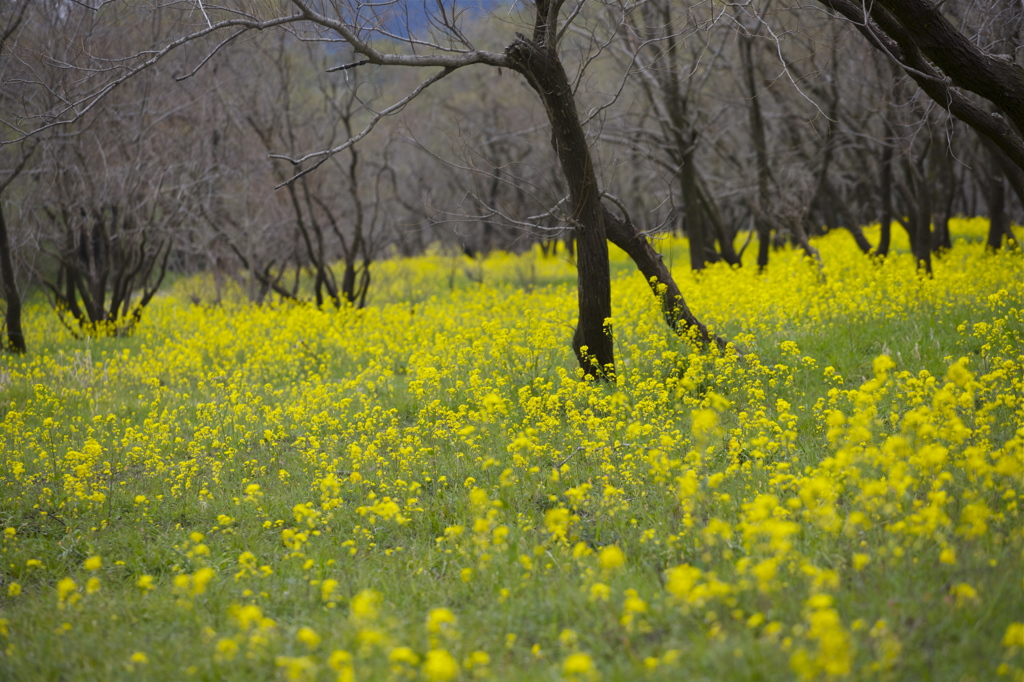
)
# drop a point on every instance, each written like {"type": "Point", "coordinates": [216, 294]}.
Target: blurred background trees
{"type": "Point", "coordinates": [137, 142]}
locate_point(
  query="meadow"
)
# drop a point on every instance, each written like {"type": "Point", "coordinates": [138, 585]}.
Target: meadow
{"type": "Point", "coordinates": [426, 489]}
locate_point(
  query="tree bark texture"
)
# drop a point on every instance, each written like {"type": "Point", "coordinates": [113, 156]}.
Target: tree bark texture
{"type": "Point", "coordinates": [761, 222]}
{"type": "Point", "coordinates": [15, 335]}
{"type": "Point", "coordinates": [592, 341]}
{"type": "Point", "coordinates": [696, 227]}
{"type": "Point", "coordinates": [885, 191]}
{"type": "Point", "coordinates": [999, 219]}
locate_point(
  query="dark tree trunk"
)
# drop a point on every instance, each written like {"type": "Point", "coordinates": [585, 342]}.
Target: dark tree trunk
{"type": "Point", "coordinates": [722, 233]}
{"type": "Point", "coordinates": [885, 190]}
{"type": "Point", "coordinates": [825, 196]}
{"type": "Point", "coordinates": [945, 191]}
{"type": "Point", "coordinates": [764, 245]}
{"type": "Point", "coordinates": [592, 341]}
{"type": "Point", "coordinates": [348, 281]}
{"type": "Point", "coordinates": [917, 198]}
{"type": "Point", "coordinates": [761, 221]}
{"type": "Point", "coordinates": [15, 336]}
{"type": "Point", "coordinates": [696, 229]}
{"type": "Point", "coordinates": [351, 291]}
{"type": "Point", "coordinates": [999, 219]}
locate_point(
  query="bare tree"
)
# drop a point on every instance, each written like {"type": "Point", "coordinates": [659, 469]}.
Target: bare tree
{"type": "Point", "coordinates": [290, 103]}
{"type": "Point", "coordinates": [12, 16]}
{"type": "Point", "coordinates": [675, 54]}
{"type": "Point", "coordinates": [106, 191]}
{"type": "Point", "coordinates": [947, 65]}
{"type": "Point", "coordinates": [107, 200]}
{"type": "Point", "coordinates": [443, 48]}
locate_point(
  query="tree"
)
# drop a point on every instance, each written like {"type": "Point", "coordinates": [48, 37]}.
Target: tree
{"type": "Point", "coordinates": [371, 32]}
{"type": "Point", "coordinates": [289, 102]}
{"type": "Point", "coordinates": [12, 15]}
{"type": "Point", "coordinates": [108, 194]}
{"type": "Point", "coordinates": [945, 63]}
{"type": "Point", "coordinates": [674, 55]}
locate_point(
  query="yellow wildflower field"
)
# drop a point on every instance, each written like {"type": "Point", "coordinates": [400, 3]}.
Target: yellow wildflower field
{"type": "Point", "coordinates": [425, 489]}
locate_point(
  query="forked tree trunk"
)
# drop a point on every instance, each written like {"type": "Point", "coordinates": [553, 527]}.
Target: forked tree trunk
{"type": "Point", "coordinates": [542, 69]}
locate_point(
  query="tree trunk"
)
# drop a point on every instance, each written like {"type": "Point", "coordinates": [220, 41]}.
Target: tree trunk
{"type": "Point", "coordinates": [917, 198]}
{"type": "Point", "coordinates": [542, 69]}
{"type": "Point", "coordinates": [722, 233]}
{"type": "Point", "coordinates": [999, 219]}
{"type": "Point", "coordinates": [15, 336]}
{"type": "Point", "coordinates": [885, 190]}
{"type": "Point", "coordinates": [696, 229]}
{"type": "Point", "coordinates": [677, 314]}
{"type": "Point", "coordinates": [944, 182]}
{"type": "Point", "coordinates": [858, 236]}
{"type": "Point", "coordinates": [761, 222]}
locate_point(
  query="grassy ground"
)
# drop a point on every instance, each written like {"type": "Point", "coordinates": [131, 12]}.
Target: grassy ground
{"type": "Point", "coordinates": [426, 490]}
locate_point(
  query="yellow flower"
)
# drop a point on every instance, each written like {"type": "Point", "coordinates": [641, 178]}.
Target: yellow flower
{"type": "Point", "coordinates": [440, 666]}
{"type": "Point", "coordinates": [404, 655]}
{"type": "Point", "coordinates": [365, 606]}
{"type": "Point", "coordinates": [579, 666]}
{"type": "Point", "coordinates": [705, 424]}
{"type": "Point", "coordinates": [1014, 636]}
{"type": "Point", "coordinates": [93, 563]}
{"type": "Point", "coordinates": [477, 660]}
{"type": "Point", "coordinates": [13, 590]}
{"type": "Point", "coordinates": [440, 620]}
{"type": "Point", "coordinates": [611, 558]}
{"type": "Point", "coordinates": [557, 522]}
{"type": "Point", "coordinates": [145, 583]}
{"type": "Point", "coordinates": [599, 592]}
{"type": "Point", "coordinates": [340, 661]}
{"type": "Point", "coordinates": [248, 616]}
{"type": "Point", "coordinates": [882, 364]}
{"type": "Point", "coordinates": [201, 579]}
{"type": "Point", "coordinates": [309, 637]}
{"type": "Point", "coordinates": [67, 591]}
{"type": "Point", "coordinates": [958, 373]}
{"type": "Point", "coordinates": [226, 649]}
{"type": "Point", "coordinates": [297, 668]}
{"type": "Point", "coordinates": [964, 594]}
{"type": "Point", "coordinates": [327, 588]}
